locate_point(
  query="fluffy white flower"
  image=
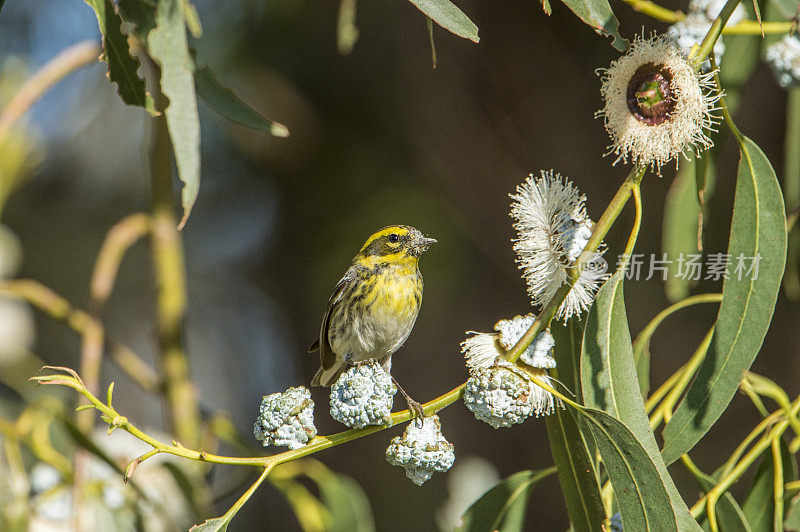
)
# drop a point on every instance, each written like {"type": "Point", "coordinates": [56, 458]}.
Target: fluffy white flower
{"type": "Point", "coordinates": [784, 59]}
{"type": "Point", "coordinates": [421, 450]}
{"type": "Point", "coordinates": [552, 228]}
{"type": "Point", "coordinates": [482, 349]}
{"type": "Point", "coordinates": [657, 106]}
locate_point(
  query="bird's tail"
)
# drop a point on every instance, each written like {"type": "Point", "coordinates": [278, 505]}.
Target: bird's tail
{"type": "Point", "coordinates": [327, 376]}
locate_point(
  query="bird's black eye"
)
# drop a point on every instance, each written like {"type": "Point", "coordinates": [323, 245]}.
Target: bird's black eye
{"type": "Point", "coordinates": [393, 238]}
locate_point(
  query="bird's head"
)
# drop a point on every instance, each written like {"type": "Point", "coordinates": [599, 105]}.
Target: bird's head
{"type": "Point", "coordinates": [395, 243]}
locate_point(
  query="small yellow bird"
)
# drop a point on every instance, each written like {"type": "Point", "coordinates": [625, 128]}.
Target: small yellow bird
{"type": "Point", "coordinates": [374, 306]}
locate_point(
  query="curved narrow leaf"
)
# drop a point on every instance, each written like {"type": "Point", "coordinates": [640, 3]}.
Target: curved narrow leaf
{"type": "Point", "coordinates": [226, 103]}
{"type": "Point", "coordinates": [598, 15]}
{"type": "Point", "coordinates": [576, 471]}
{"type": "Point", "coordinates": [169, 47]}
{"type": "Point", "coordinates": [503, 507]}
{"type": "Point", "coordinates": [217, 524]}
{"type": "Point", "coordinates": [447, 15]}
{"type": "Point", "coordinates": [758, 235]}
{"type": "Point", "coordinates": [122, 66]}
{"type": "Point", "coordinates": [573, 449]}
{"type": "Point", "coordinates": [679, 237]}
{"type": "Point", "coordinates": [792, 522]}
{"type": "Point", "coordinates": [641, 495]}
{"type": "Point", "coordinates": [733, 75]}
{"type": "Point", "coordinates": [610, 382]}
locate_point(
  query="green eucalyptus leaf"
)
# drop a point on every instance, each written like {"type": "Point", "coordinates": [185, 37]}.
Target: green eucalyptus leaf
{"type": "Point", "coordinates": [759, 505]}
{"type": "Point", "coordinates": [576, 471]}
{"type": "Point", "coordinates": [504, 506]}
{"type": "Point", "coordinates": [682, 214]}
{"type": "Point", "coordinates": [792, 522]}
{"type": "Point", "coordinates": [169, 48]}
{"type": "Point", "coordinates": [309, 511]}
{"type": "Point", "coordinates": [640, 491]}
{"type": "Point", "coordinates": [610, 382]}
{"type": "Point", "coordinates": [791, 191]}
{"type": "Point", "coordinates": [217, 524]}
{"type": "Point", "coordinates": [347, 504]}
{"type": "Point", "coordinates": [758, 229]}
{"type": "Point", "coordinates": [738, 63]}
{"type": "Point", "coordinates": [679, 233]}
{"type": "Point", "coordinates": [599, 16]}
{"type": "Point", "coordinates": [226, 103]}
{"type": "Point", "coordinates": [447, 15]}
{"type": "Point", "coordinates": [567, 352]}
{"type": "Point", "coordinates": [141, 14]}
{"type": "Point", "coordinates": [571, 441]}
{"type": "Point", "coordinates": [122, 66]}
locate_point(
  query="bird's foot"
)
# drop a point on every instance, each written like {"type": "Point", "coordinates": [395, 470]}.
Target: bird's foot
{"type": "Point", "coordinates": [416, 409]}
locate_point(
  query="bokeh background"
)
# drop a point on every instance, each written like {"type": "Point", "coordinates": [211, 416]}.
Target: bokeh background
{"type": "Point", "coordinates": [377, 137]}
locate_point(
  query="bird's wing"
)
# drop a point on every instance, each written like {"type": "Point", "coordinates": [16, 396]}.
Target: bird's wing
{"type": "Point", "coordinates": [326, 356]}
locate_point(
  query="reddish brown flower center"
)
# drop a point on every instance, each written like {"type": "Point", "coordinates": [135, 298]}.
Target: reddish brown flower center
{"type": "Point", "coordinates": [650, 97]}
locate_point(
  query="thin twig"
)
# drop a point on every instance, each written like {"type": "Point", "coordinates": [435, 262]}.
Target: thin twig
{"type": "Point", "coordinates": [66, 62]}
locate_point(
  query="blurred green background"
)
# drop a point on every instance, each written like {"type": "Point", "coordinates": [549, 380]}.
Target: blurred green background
{"type": "Point", "coordinates": [377, 137]}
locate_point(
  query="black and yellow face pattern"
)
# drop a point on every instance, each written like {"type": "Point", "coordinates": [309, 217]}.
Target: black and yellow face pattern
{"type": "Point", "coordinates": [395, 243]}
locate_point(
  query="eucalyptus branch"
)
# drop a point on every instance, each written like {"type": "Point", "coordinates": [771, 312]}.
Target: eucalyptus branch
{"type": "Point", "coordinates": [653, 10]}
{"type": "Point", "coordinates": [115, 420]}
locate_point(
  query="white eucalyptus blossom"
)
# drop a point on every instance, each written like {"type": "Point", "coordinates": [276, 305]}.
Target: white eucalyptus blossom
{"type": "Point", "coordinates": [553, 228]}
{"type": "Point", "coordinates": [482, 349]}
{"type": "Point", "coordinates": [503, 394]}
{"type": "Point", "coordinates": [422, 450]}
{"type": "Point", "coordinates": [657, 106]}
{"type": "Point", "coordinates": [363, 395]}
{"type": "Point", "coordinates": [286, 418]}
{"type": "Point", "coordinates": [784, 59]}
{"type": "Point", "coordinates": [539, 353]}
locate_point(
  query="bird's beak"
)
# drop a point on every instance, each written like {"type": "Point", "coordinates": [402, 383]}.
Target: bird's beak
{"type": "Point", "coordinates": [424, 243]}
